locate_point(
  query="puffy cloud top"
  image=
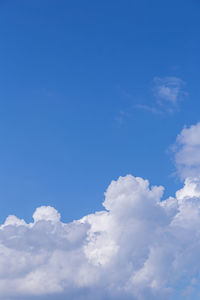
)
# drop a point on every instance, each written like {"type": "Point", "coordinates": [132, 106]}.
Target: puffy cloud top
{"type": "Point", "coordinates": [46, 213]}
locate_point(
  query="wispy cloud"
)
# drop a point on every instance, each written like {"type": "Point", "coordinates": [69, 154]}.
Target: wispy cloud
{"type": "Point", "coordinates": [152, 109]}
{"type": "Point", "coordinates": [168, 92]}
{"type": "Point", "coordinates": [169, 89]}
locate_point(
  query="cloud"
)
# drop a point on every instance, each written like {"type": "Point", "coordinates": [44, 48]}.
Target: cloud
{"type": "Point", "coordinates": [137, 247]}
{"type": "Point", "coordinates": [187, 152]}
{"type": "Point", "coordinates": [169, 89]}
{"type": "Point", "coordinates": [168, 92]}
{"type": "Point", "coordinates": [152, 109]}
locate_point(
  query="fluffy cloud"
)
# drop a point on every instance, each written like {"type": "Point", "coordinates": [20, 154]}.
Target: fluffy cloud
{"type": "Point", "coordinates": [187, 152]}
{"type": "Point", "coordinates": [138, 247]}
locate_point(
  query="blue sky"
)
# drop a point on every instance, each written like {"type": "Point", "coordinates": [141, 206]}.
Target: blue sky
{"type": "Point", "coordinates": [74, 78]}
{"type": "Point", "coordinates": [91, 91]}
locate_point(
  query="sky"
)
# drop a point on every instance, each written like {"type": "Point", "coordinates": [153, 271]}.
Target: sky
{"type": "Point", "coordinates": [96, 98]}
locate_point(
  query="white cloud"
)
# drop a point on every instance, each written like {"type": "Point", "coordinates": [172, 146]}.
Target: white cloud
{"type": "Point", "coordinates": [138, 247]}
{"type": "Point", "coordinates": [169, 89]}
{"type": "Point", "coordinates": [46, 213]}
{"type": "Point", "coordinates": [187, 152]}
{"type": "Point", "coordinates": [168, 92]}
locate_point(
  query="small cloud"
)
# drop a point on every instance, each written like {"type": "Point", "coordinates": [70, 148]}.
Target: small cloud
{"type": "Point", "coordinates": [166, 94]}
{"type": "Point", "coordinates": [169, 90]}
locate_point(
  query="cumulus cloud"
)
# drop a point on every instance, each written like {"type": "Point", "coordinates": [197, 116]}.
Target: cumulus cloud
{"type": "Point", "coordinates": [187, 152]}
{"type": "Point", "coordinates": [137, 247]}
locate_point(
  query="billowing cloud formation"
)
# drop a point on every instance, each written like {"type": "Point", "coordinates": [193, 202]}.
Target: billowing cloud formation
{"type": "Point", "coordinates": [187, 152]}
{"type": "Point", "coordinates": [138, 247]}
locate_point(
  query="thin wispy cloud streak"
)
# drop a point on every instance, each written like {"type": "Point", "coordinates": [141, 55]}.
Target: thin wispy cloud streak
{"type": "Point", "coordinates": [152, 109]}
{"type": "Point", "coordinates": [138, 247]}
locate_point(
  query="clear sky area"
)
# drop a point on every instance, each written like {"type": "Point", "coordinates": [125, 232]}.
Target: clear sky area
{"type": "Point", "coordinates": [91, 91]}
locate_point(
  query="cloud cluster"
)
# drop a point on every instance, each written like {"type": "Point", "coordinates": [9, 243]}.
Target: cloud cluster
{"type": "Point", "coordinates": [138, 247]}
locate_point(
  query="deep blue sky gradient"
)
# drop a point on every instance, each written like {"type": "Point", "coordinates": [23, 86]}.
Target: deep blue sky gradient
{"type": "Point", "coordinates": [71, 76]}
